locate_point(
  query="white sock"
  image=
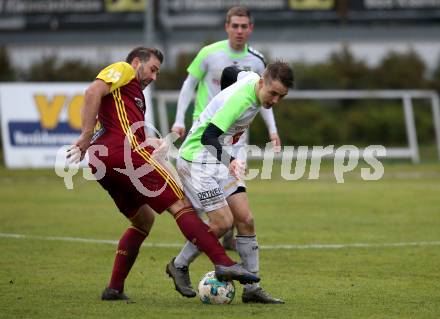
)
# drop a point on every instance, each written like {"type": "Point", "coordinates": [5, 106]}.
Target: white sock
{"type": "Point", "coordinates": [247, 248]}
{"type": "Point", "coordinates": [187, 255]}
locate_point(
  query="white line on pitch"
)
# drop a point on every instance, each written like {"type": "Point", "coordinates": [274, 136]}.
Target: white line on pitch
{"type": "Point", "coordinates": [269, 247]}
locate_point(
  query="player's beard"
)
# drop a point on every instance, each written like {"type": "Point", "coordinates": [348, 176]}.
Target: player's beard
{"type": "Point", "coordinates": [143, 82]}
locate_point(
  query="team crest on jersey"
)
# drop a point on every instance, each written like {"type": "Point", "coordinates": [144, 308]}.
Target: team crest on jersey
{"type": "Point", "coordinates": [244, 67]}
{"type": "Point", "coordinates": [139, 104]}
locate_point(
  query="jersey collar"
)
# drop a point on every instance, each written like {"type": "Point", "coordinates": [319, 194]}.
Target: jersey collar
{"type": "Point", "coordinates": [236, 54]}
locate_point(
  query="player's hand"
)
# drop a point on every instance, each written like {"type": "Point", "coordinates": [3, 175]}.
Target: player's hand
{"type": "Point", "coordinates": [77, 151]}
{"type": "Point", "coordinates": [154, 142]}
{"type": "Point", "coordinates": [179, 130]}
{"type": "Point", "coordinates": [237, 168]}
{"type": "Point", "coordinates": [73, 154]}
{"type": "Point", "coordinates": [276, 141]}
{"type": "Point", "coordinates": [160, 147]}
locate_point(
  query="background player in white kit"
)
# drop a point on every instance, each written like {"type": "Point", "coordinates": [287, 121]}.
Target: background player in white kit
{"type": "Point", "coordinates": [207, 164]}
{"type": "Point", "coordinates": [205, 71]}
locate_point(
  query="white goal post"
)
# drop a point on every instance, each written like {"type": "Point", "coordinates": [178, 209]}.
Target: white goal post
{"type": "Point", "coordinates": [163, 98]}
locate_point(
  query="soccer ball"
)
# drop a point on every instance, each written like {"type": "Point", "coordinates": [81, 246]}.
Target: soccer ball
{"type": "Point", "coordinates": [215, 292]}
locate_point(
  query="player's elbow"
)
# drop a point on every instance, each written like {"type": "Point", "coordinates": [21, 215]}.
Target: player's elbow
{"type": "Point", "coordinates": [221, 224]}
{"type": "Point", "coordinates": [210, 143]}
{"type": "Point", "coordinates": [97, 90]}
{"type": "Point", "coordinates": [210, 135]}
{"type": "Point", "coordinates": [206, 139]}
{"type": "Point", "coordinates": [89, 92]}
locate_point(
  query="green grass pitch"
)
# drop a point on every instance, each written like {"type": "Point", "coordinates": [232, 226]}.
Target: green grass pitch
{"type": "Point", "coordinates": [395, 274]}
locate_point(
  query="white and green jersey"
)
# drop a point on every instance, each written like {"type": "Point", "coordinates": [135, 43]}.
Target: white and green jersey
{"type": "Point", "coordinates": [232, 111]}
{"type": "Point", "coordinates": [209, 63]}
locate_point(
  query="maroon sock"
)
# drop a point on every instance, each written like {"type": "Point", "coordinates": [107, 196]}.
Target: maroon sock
{"type": "Point", "coordinates": [126, 254]}
{"type": "Point", "coordinates": [197, 232]}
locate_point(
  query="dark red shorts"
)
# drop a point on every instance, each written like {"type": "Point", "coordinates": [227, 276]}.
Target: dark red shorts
{"type": "Point", "coordinates": [154, 186]}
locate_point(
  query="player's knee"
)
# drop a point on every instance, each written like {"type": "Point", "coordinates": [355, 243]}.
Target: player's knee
{"type": "Point", "coordinates": [144, 225]}
{"type": "Point", "coordinates": [215, 230]}
{"type": "Point", "coordinates": [220, 226]}
{"type": "Point", "coordinates": [143, 220]}
{"type": "Point", "coordinates": [245, 225]}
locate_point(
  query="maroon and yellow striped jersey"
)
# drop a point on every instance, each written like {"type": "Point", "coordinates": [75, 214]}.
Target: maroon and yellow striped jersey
{"type": "Point", "coordinates": [120, 109]}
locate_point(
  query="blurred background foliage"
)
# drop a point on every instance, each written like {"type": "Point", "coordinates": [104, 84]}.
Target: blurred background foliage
{"type": "Point", "coordinates": [300, 122]}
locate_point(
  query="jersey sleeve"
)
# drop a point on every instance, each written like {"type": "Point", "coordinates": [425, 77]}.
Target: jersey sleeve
{"type": "Point", "coordinates": [117, 74]}
{"type": "Point", "coordinates": [185, 96]}
{"type": "Point", "coordinates": [197, 68]}
{"type": "Point", "coordinates": [234, 106]}
{"type": "Point", "coordinates": [261, 67]}
{"type": "Point", "coordinates": [269, 119]}
{"type": "Point", "coordinates": [259, 63]}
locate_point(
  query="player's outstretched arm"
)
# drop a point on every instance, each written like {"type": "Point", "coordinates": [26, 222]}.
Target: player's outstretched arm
{"type": "Point", "coordinates": [92, 101]}
{"type": "Point", "coordinates": [269, 120]}
{"type": "Point", "coordinates": [185, 96]}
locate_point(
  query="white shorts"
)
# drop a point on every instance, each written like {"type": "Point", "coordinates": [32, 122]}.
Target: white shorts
{"type": "Point", "coordinates": [206, 185]}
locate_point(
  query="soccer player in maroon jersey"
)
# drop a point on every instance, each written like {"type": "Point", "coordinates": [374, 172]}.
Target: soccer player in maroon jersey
{"type": "Point", "coordinates": [114, 104]}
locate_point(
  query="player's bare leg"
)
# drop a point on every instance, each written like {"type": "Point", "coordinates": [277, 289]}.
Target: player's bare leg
{"type": "Point", "coordinates": [247, 248]}
{"type": "Point", "coordinates": [228, 241]}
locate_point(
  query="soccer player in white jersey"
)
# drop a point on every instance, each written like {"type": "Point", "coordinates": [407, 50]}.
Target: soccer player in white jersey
{"type": "Point", "coordinates": [205, 70]}
{"type": "Point", "coordinates": [207, 164]}
{"type": "Point", "coordinates": [204, 73]}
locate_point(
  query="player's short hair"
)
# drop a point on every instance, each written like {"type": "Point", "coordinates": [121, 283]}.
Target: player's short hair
{"type": "Point", "coordinates": [280, 71]}
{"type": "Point", "coordinates": [238, 12]}
{"type": "Point", "coordinates": [144, 54]}
{"type": "Point", "coordinates": [229, 76]}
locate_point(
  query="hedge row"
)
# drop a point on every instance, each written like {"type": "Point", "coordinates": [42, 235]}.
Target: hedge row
{"type": "Point", "coordinates": [301, 122]}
